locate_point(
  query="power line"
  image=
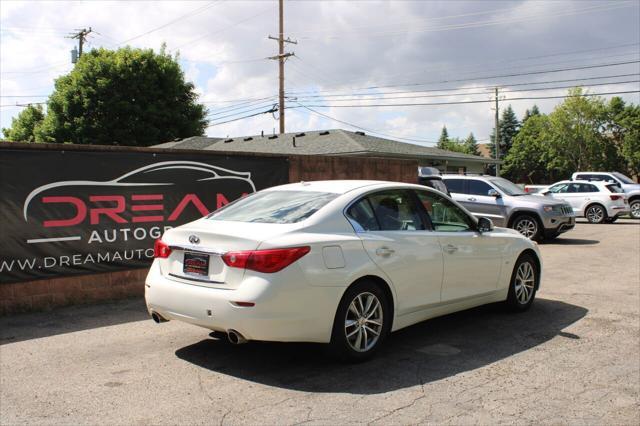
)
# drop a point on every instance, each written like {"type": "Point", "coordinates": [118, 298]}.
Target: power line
{"type": "Point", "coordinates": [272, 110]}
{"type": "Point", "coordinates": [362, 128]}
{"type": "Point", "coordinates": [254, 108]}
{"type": "Point", "coordinates": [478, 24]}
{"type": "Point", "coordinates": [173, 21]}
{"type": "Point", "coordinates": [491, 77]}
{"type": "Point", "coordinates": [474, 101]}
{"type": "Point", "coordinates": [477, 93]}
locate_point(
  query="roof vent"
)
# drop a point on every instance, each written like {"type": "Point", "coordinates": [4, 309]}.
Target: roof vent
{"type": "Point", "coordinates": [228, 140]}
{"type": "Point", "coordinates": [273, 137]}
{"type": "Point", "coordinates": [248, 139]}
{"type": "Point", "coordinates": [299, 135]}
{"type": "Point", "coordinates": [326, 132]}
{"type": "Point", "coordinates": [360, 133]}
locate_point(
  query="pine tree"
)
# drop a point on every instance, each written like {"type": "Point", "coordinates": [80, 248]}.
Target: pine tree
{"type": "Point", "coordinates": [509, 127]}
{"type": "Point", "coordinates": [471, 145]}
{"type": "Point", "coordinates": [443, 142]}
{"type": "Point", "coordinates": [529, 113]}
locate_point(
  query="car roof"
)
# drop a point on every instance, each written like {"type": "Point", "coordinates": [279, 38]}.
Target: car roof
{"type": "Point", "coordinates": [590, 182]}
{"type": "Point", "coordinates": [338, 186]}
{"type": "Point", "coordinates": [457, 176]}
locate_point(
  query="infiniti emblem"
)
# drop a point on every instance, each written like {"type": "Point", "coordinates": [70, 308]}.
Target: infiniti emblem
{"type": "Point", "coordinates": [193, 239]}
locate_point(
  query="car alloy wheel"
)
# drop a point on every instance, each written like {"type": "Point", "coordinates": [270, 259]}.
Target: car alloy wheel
{"type": "Point", "coordinates": [527, 226]}
{"type": "Point", "coordinates": [595, 214]}
{"type": "Point", "coordinates": [635, 209]}
{"type": "Point", "coordinates": [363, 322]}
{"type": "Point", "coordinates": [525, 283]}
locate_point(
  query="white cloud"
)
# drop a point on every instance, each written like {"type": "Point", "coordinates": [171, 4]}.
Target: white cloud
{"type": "Point", "coordinates": [342, 46]}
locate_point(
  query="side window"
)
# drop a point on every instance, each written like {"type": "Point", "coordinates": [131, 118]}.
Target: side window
{"type": "Point", "coordinates": [574, 187]}
{"type": "Point", "coordinates": [478, 187]}
{"type": "Point", "coordinates": [455, 185]}
{"type": "Point", "coordinates": [361, 216]}
{"type": "Point", "coordinates": [445, 216]}
{"type": "Point", "coordinates": [560, 188]}
{"type": "Point", "coordinates": [584, 177]}
{"type": "Point", "coordinates": [396, 210]}
{"type": "Point", "coordinates": [589, 188]}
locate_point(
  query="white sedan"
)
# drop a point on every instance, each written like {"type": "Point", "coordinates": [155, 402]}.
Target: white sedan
{"type": "Point", "coordinates": [339, 262]}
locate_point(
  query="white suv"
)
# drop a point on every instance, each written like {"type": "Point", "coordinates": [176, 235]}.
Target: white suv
{"type": "Point", "coordinates": [597, 201]}
{"type": "Point", "coordinates": [630, 188]}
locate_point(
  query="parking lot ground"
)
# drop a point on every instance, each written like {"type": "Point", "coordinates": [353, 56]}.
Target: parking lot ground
{"type": "Point", "coordinates": [573, 358]}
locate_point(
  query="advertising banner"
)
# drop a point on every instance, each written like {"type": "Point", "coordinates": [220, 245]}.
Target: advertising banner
{"type": "Point", "coordinates": [78, 212]}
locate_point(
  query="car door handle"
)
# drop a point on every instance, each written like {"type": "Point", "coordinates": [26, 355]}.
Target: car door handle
{"type": "Point", "coordinates": [450, 248]}
{"type": "Point", "coordinates": [471, 199]}
{"type": "Point", "coordinates": [385, 251]}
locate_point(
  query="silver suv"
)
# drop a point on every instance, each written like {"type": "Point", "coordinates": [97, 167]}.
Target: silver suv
{"type": "Point", "coordinates": [630, 188]}
{"type": "Point", "coordinates": [507, 205]}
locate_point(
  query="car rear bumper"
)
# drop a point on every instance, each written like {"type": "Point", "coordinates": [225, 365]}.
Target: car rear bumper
{"type": "Point", "coordinates": [615, 211]}
{"type": "Point", "coordinates": [305, 315]}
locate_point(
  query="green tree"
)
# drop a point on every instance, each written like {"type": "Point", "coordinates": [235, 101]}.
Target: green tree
{"type": "Point", "coordinates": [124, 97]}
{"type": "Point", "coordinates": [443, 141]}
{"type": "Point", "coordinates": [471, 145]}
{"type": "Point", "coordinates": [577, 136]}
{"type": "Point", "coordinates": [528, 113]}
{"type": "Point", "coordinates": [508, 126]}
{"type": "Point", "coordinates": [528, 157]}
{"type": "Point", "coordinates": [23, 126]}
{"type": "Point", "coordinates": [623, 130]}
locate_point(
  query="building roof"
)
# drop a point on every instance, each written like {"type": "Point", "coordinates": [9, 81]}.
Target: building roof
{"type": "Point", "coordinates": [327, 142]}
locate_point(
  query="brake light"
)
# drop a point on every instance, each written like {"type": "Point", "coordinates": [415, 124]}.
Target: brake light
{"type": "Point", "coordinates": [161, 250]}
{"type": "Point", "coordinates": [615, 197]}
{"type": "Point", "coordinates": [268, 261]}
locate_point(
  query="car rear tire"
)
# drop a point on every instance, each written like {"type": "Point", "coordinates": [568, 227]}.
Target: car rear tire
{"type": "Point", "coordinates": [595, 213]}
{"type": "Point", "coordinates": [528, 226]}
{"type": "Point", "coordinates": [635, 209]}
{"type": "Point", "coordinates": [362, 322]}
{"type": "Point", "coordinates": [524, 283]}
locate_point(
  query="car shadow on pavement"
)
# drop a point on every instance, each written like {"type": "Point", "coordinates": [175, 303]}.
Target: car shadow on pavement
{"type": "Point", "coordinates": [570, 242]}
{"type": "Point", "coordinates": [426, 352]}
{"type": "Point", "coordinates": [70, 319]}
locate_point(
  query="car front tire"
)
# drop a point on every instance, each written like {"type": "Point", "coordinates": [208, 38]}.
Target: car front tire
{"type": "Point", "coordinates": [595, 213]}
{"type": "Point", "coordinates": [635, 209]}
{"type": "Point", "coordinates": [362, 322]}
{"type": "Point", "coordinates": [528, 226]}
{"type": "Point", "coordinates": [524, 283]}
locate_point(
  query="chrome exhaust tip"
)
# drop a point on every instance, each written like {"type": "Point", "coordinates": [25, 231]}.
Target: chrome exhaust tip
{"type": "Point", "coordinates": [236, 338]}
{"type": "Point", "coordinates": [157, 318]}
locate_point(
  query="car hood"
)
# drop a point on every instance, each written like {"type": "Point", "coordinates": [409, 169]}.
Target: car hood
{"type": "Point", "coordinates": [539, 199]}
{"type": "Point", "coordinates": [631, 187]}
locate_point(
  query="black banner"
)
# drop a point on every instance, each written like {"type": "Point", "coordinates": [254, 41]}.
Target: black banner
{"type": "Point", "coordinates": [75, 212]}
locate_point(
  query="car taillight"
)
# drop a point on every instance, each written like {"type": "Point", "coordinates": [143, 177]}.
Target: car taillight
{"type": "Point", "coordinates": [161, 250]}
{"type": "Point", "coordinates": [615, 197]}
{"type": "Point", "coordinates": [268, 261]}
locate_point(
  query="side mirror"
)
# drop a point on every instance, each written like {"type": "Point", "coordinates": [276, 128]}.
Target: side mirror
{"type": "Point", "coordinates": [485, 225]}
{"type": "Point", "coordinates": [546, 193]}
{"type": "Point", "coordinates": [493, 193]}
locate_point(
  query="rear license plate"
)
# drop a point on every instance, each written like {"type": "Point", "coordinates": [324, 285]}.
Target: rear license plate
{"type": "Point", "coordinates": [196, 264]}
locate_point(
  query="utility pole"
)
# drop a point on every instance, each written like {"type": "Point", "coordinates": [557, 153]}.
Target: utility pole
{"type": "Point", "coordinates": [81, 35]}
{"type": "Point", "coordinates": [281, 57]}
{"type": "Point", "coordinates": [497, 135]}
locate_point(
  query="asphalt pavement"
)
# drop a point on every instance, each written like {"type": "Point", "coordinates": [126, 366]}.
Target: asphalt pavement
{"type": "Point", "coordinates": [574, 358]}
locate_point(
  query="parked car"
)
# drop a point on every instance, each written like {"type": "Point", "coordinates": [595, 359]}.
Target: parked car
{"type": "Point", "coordinates": [598, 201]}
{"type": "Point", "coordinates": [630, 188]}
{"type": "Point", "coordinates": [534, 189]}
{"type": "Point", "coordinates": [506, 204]}
{"type": "Point", "coordinates": [338, 262]}
{"type": "Point", "coordinates": [431, 177]}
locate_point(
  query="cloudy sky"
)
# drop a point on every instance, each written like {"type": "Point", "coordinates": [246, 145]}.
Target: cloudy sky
{"type": "Point", "coordinates": [348, 54]}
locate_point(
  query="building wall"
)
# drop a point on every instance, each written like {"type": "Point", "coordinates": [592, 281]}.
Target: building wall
{"type": "Point", "coordinates": [49, 293]}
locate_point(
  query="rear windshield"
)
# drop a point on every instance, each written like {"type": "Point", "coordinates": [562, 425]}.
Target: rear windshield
{"type": "Point", "coordinates": [274, 207]}
{"type": "Point", "coordinates": [614, 188]}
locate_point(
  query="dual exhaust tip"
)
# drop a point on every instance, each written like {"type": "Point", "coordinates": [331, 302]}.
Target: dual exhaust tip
{"type": "Point", "coordinates": [234, 337]}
